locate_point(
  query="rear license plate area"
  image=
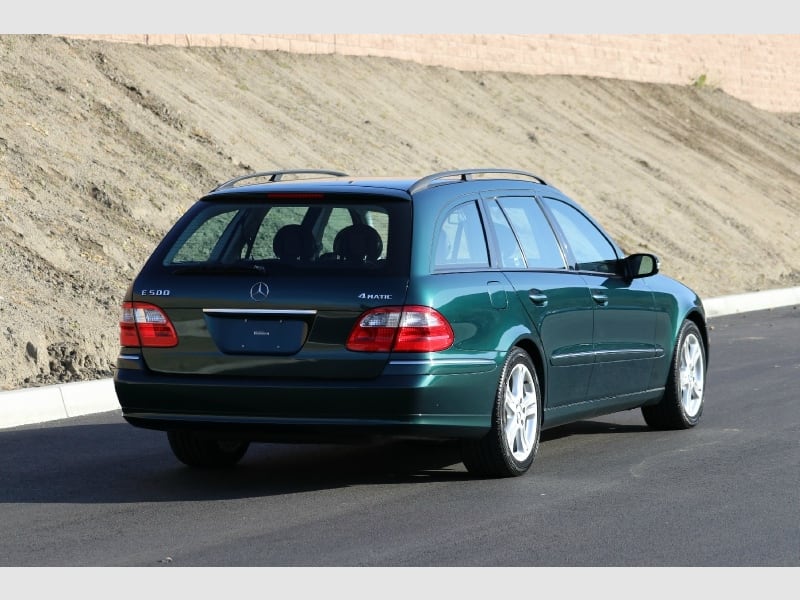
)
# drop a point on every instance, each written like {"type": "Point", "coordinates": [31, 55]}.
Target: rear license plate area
{"type": "Point", "coordinates": [257, 335]}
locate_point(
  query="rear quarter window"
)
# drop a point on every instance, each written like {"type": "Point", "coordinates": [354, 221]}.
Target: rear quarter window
{"type": "Point", "coordinates": [460, 239]}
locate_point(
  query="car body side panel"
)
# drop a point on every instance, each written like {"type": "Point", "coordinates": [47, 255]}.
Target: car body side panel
{"type": "Point", "coordinates": [625, 320]}
{"type": "Point", "coordinates": [674, 302]}
{"type": "Point", "coordinates": [559, 307]}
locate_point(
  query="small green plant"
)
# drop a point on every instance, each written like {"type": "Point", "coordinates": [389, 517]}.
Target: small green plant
{"type": "Point", "coordinates": [700, 82]}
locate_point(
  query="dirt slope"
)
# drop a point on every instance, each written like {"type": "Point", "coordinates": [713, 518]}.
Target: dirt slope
{"type": "Point", "coordinates": [103, 145]}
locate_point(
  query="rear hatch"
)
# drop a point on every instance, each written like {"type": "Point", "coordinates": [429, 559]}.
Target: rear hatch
{"type": "Point", "coordinates": [270, 285]}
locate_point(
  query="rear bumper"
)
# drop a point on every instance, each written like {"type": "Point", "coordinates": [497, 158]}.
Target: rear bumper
{"type": "Point", "coordinates": [417, 405]}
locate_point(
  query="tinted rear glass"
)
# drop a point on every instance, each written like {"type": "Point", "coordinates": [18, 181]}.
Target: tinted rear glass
{"type": "Point", "coordinates": [323, 235]}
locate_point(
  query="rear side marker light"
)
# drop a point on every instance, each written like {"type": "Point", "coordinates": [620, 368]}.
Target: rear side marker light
{"type": "Point", "coordinates": [401, 329]}
{"type": "Point", "coordinates": [147, 326]}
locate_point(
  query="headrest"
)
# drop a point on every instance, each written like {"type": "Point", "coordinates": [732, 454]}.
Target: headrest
{"type": "Point", "coordinates": [358, 243]}
{"type": "Point", "coordinates": [294, 242]}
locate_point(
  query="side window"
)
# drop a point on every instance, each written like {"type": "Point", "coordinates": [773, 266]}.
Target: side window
{"type": "Point", "coordinates": [460, 240]}
{"type": "Point", "coordinates": [534, 233]}
{"type": "Point", "coordinates": [592, 251]}
{"type": "Point", "coordinates": [510, 252]}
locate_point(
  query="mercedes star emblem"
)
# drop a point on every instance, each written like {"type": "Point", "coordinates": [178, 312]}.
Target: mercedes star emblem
{"type": "Point", "coordinates": [259, 291]}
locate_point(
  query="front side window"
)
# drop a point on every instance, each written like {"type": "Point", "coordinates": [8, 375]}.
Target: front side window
{"type": "Point", "coordinates": [591, 249]}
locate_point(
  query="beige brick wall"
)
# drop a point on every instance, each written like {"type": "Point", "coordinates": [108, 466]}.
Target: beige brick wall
{"type": "Point", "coordinates": [761, 69]}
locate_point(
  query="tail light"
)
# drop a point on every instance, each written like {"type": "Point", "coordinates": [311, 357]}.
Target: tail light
{"type": "Point", "coordinates": [146, 325]}
{"type": "Point", "coordinates": [401, 329]}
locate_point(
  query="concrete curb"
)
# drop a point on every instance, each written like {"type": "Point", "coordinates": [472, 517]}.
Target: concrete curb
{"type": "Point", "coordinates": [54, 402]}
{"type": "Point", "coordinates": [729, 305]}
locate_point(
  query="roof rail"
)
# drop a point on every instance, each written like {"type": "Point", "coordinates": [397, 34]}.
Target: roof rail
{"type": "Point", "coordinates": [276, 176]}
{"type": "Point", "coordinates": [466, 175]}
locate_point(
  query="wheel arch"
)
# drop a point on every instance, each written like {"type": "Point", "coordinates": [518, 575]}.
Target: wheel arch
{"type": "Point", "coordinates": [696, 317]}
{"type": "Point", "coordinates": [533, 350]}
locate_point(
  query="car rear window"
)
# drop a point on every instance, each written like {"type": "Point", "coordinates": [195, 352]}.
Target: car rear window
{"type": "Point", "coordinates": [326, 235]}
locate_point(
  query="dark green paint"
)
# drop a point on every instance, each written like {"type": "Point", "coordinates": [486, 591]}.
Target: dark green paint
{"type": "Point", "coordinates": [602, 343]}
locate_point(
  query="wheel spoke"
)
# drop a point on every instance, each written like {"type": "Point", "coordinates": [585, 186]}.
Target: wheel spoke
{"type": "Point", "coordinates": [686, 378]}
{"type": "Point", "coordinates": [529, 402]}
{"type": "Point", "coordinates": [511, 431]}
{"type": "Point", "coordinates": [517, 383]}
{"type": "Point", "coordinates": [694, 355]}
{"type": "Point", "coordinates": [685, 355]}
{"type": "Point", "coordinates": [526, 438]}
{"type": "Point", "coordinates": [522, 442]}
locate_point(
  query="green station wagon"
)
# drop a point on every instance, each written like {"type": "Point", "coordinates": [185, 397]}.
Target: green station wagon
{"type": "Point", "coordinates": [480, 306]}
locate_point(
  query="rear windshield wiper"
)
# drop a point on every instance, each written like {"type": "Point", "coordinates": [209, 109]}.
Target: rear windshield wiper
{"type": "Point", "coordinates": [219, 269]}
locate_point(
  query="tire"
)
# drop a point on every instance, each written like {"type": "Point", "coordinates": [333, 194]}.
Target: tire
{"type": "Point", "coordinates": [510, 446]}
{"type": "Point", "coordinates": [196, 451]}
{"type": "Point", "coordinates": [684, 395]}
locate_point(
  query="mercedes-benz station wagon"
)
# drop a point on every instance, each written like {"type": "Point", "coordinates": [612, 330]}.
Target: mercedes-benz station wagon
{"type": "Point", "coordinates": [480, 306]}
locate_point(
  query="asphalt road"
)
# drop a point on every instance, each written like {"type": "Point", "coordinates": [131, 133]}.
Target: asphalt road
{"type": "Point", "coordinates": [95, 491]}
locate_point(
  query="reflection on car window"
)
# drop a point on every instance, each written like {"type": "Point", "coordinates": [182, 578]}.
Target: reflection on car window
{"type": "Point", "coordinates": [199, 239]}
{"type": "Point", "coordinates": [460, 240]}
{"type": "Point", "coordinates": [533, 232]}
{"type": "Point", "coordinates": [592, 251]}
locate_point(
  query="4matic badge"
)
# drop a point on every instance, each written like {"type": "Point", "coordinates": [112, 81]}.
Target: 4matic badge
{"type": "Point", "coordinates": [366, 296]}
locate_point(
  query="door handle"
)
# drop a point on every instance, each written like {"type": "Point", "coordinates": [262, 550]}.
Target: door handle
{"type": "Point", "coordinates": [600, 298]}
{"type": "Point", "coordinates": [537, 297]}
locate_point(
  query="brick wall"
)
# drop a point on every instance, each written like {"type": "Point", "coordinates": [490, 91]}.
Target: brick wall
{"type": "Point", "coordinates": [761, 69]}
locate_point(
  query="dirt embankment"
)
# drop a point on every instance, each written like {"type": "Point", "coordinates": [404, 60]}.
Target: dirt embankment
{"type": "Point", "coordinates": [103, 146]}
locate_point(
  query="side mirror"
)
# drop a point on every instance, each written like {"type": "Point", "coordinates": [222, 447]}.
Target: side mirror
{"type": "Point", "coordinates": [641, 265]}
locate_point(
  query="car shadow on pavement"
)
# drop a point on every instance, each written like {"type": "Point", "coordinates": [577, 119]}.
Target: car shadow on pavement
{"type": "Point", "coordinates": [118, 463]}
{"type": "Point", "coordinates": [113, 462]}
{"type": "Point", "coordinates": [592, 428]}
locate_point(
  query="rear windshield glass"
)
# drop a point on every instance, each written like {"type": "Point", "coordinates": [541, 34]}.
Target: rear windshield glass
{"type": "Point", "coordinates": [328, 235]}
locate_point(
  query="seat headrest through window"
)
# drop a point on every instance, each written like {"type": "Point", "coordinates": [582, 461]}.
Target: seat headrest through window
{"type": "Point", "coordinates": [358, 243]}
{"type": "Point", "coordinates": [294, 242]}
